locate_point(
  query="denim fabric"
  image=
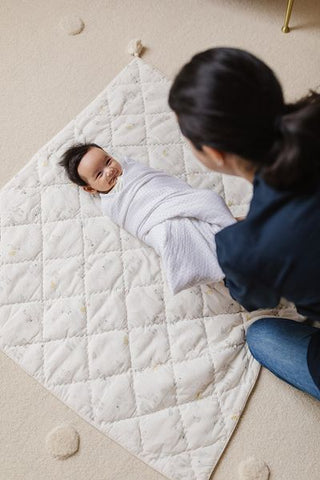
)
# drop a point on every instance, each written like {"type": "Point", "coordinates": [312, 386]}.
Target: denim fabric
{"type": "Point", "coordinates": [281, 345]}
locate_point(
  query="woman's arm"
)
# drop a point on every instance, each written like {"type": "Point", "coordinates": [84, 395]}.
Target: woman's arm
{"type": "Point", "coordinates": [244, 276]}
{"type": "Point", "coordinates": [251, 293]}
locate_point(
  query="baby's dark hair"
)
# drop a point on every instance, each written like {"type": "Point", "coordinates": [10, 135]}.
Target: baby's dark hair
{"type": "Point", "coordinates": [71, 159]}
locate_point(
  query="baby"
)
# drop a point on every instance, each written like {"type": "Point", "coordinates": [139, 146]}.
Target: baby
{"type": "Point", "coordinates": [166, 213]}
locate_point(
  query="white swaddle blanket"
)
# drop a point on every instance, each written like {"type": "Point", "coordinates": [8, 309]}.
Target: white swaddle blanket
{"type": "Point", "coordinates": [178, 221]}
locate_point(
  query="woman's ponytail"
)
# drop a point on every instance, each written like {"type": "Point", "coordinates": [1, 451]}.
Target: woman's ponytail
{"type": "Point", "coordinates": [294, 159]}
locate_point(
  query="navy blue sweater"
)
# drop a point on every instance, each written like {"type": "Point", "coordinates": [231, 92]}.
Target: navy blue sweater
{"type": "Point", "coordinates": [275, 252]}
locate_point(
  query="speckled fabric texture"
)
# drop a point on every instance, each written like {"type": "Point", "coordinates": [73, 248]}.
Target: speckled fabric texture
{"type": "Point", "coordinates": [85, 309]}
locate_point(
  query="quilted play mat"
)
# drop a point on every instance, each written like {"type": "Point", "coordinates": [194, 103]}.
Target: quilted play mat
{"type": "Point", "coordinates": [85, 309]}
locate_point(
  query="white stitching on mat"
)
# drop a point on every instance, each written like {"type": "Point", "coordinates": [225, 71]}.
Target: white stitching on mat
{"type": "Point", "coordinates": [127, 329]}
{"type": "Point", "coordinates": [164, 304]}
{"type": "Point", "coordinates": [175, 384]}
{"type": "Point", "coordinates": [126, 317]}
{"type": "Point", "coordinates": [222, 438]}
{"type": "Point", "coordinates": [97, 292]}
{"type": "Point", "coordinates": [111, 422]}
{"type": "Point", "coordinates": [72, 256]}
{"type": "Point", "coordinates": [213, 367]}
{"type": "Point", "coordinates": [143, 369]}
{"type": "Point", "coordinates": [47, 342]}
{"type": "Point", "coordinates": [42, 282]}
{"type": "Point", "coordinates": [86, 311]}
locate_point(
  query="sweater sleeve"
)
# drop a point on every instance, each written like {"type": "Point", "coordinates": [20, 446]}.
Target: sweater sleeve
{"type": "Point", "coordinates": [252, 294]}
{"type": "Point", "coordinates": [242, 273]}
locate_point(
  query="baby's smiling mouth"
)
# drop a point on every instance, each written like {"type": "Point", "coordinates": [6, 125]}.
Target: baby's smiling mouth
{"type": "Point", "coordinates": [114, 177]}
{"type": "Point", "coordinates": [117, 174]}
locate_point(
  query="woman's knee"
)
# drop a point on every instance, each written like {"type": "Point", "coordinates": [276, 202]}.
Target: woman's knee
{"type": "Point", "coordinates": [260, 328]}
{"type": "Point", "coordinates": [259, 335]}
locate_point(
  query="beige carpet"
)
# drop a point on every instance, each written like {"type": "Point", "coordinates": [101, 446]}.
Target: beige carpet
{"type": "Point", "coordinates": [47, 77]}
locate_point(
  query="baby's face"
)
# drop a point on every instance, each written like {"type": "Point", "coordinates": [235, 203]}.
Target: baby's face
{"type": "Point", "coordinates": [99, 170]}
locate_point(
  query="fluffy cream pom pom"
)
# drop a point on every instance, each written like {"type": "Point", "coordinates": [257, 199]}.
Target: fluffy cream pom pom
{"type": "Point", "coordinates": [253, 469]}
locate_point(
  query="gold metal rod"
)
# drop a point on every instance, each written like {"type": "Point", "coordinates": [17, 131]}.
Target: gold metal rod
{"type": "Point", "coordinates": [285, 27]}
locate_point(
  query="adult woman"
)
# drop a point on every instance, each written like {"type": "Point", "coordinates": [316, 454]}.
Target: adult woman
{"type": "Point", "coordinates": [230, 107]}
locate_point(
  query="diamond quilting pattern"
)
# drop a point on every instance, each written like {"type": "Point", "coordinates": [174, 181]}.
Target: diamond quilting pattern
{"type": "Point", "coordinates": [149, 346]}
{"type": "Point", "coordinates": [114, 399]}
{"type": "Point", "coordinates": [61, 321]}
{"type": "Point", "coordinates": [183, 345]}
{"type": "Point", "coordinates": [154, 93]}
{"type": "Point", "coordinates": [137, 314]}
{"type": "Point", "coordinates": [85, 308]}
{"type": "Point", "coordinates": [162, 129]}
{"type": "Point", "coordinates": [106, 310]}
{"type": "Point", "coordinates": [15, 284]}
{"type": "Point", "coordinates": [21, 243]}
{"type": "Point", "coordinates": [99, 267]}
{"type": "Point", "coordinates": [64, 361]}
{"type": "Point", "coordinates": [100, 236]}
{"type": "Point", "coordinates": [128, 130]}
{"type": "Point", "coordinates": [165, 158]}
{"type": "Point", "coordinates": [57, 243]}
{"type": "Point", "coordinates": [141, 267]}
{"type": "Point", "coordinates": [20, 206]}
{"type": "Point", "coordinates": [150, 399]}
{"type": "Point", "coordinates": [109, 353]}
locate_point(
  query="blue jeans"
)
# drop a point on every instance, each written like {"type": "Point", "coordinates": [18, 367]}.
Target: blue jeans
{"type": "Point", "coordinates": [281, 345]}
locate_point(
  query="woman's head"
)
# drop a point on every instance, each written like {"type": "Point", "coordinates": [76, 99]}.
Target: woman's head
{"type": "Point", "coordinates": [227, 100]}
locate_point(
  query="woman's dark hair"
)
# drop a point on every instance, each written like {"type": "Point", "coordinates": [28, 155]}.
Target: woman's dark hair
{"type": "Point", "coordinates": [229, 99]}
{"type": "Point", "coordinates": [71, 159]}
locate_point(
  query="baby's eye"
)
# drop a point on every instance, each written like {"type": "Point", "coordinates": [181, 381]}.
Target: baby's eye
{"type": "Point", "coordinates": [107, 162]}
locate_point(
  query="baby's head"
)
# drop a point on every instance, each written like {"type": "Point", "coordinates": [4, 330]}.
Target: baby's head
{"type": "Point", "coordinates": [91, 167]}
